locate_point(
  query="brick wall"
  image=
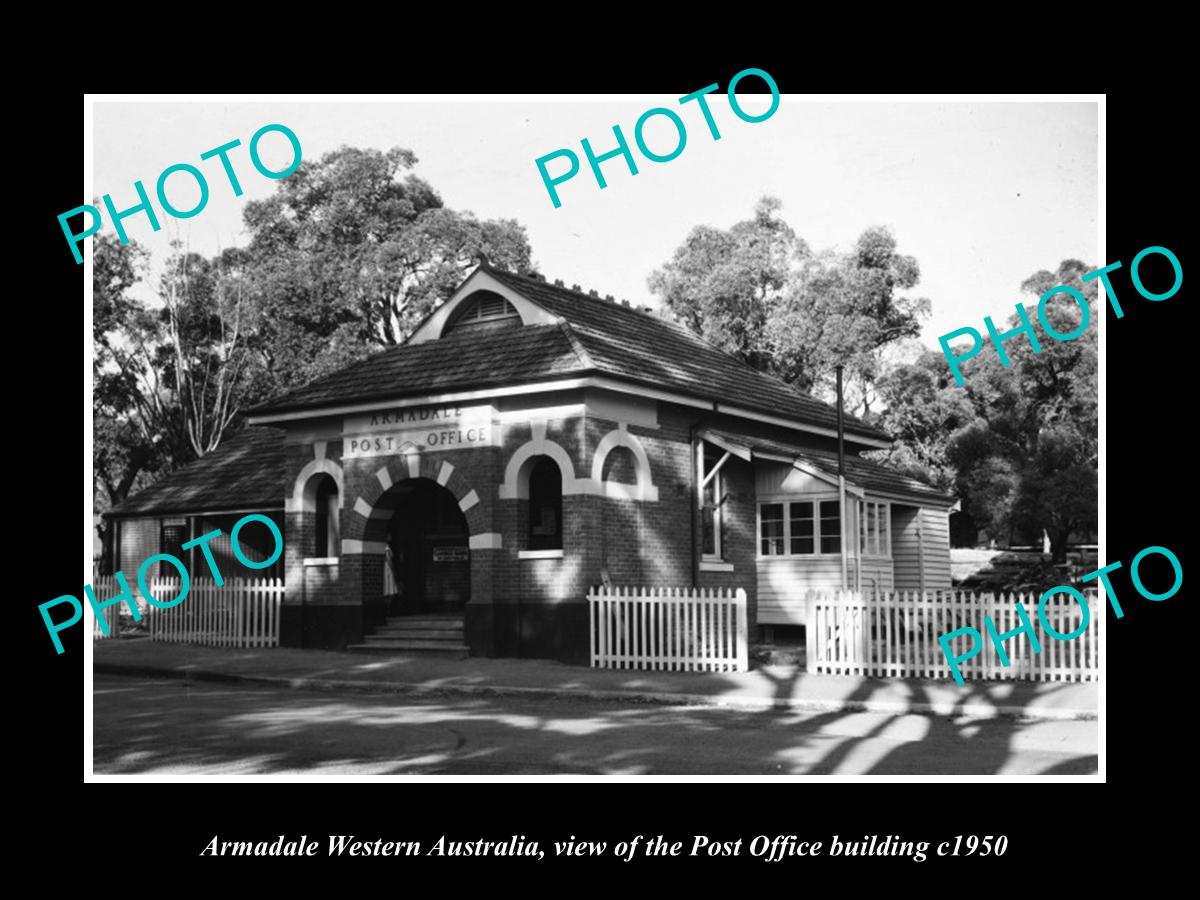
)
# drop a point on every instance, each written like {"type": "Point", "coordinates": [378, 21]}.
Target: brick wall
{"type": "Point", "coordinates": [518, 605]}
{"type": "Point", "coordinates": [472, 480]}
{"type": "Point", "coordinates": [636, 542]}
{"type": "Point", "coordinates": [620, 466]}
{"type": "Point", "coordinates": [319, 609]}
{"type": "Point", "coordinates": [538, 606]}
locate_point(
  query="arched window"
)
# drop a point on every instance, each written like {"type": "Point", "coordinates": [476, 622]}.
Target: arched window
{"type": "Point", "coordinates": [328, 531]}
{"type": "Point", "coordinates": [620, 466]}
{"type": "Point", "coordinates": [483, 310]}
{"type": "Point", "coordinates": [545, 505]}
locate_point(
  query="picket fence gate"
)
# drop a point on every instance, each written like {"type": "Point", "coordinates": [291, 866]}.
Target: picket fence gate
{"type": "Point", "coordinates": [896, 635]}
{"type": "Point", "coordinates": [242, 612]}
{"type": "Point", "coordinates": [669, 629]}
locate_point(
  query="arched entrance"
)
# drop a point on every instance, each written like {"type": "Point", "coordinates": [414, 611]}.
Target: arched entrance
{"type": "Point", "coordinates": [427, 555]}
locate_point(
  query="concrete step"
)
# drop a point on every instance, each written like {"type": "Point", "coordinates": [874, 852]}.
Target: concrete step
{"type": "Point", "coordinates": [410, 644]}
{"type": "Point", "coordinates": [422, 624]}
{"type": "Point", "coordinates": [441, 648]}
{"type": "Point", "coordinates": [406, 622]}
{"type": "Point", "coordinates": [431, 634]}
{"type": "Point", "coordinates": [419, 634]}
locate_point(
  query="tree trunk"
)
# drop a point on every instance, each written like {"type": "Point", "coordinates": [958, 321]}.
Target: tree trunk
{"type": "Point", "coordinates": [106, 532]}
{"type": "Point", "coordinates": [1058, 545]}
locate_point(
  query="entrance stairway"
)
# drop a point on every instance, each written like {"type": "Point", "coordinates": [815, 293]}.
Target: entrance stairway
{"type": "Point", "coordinates": [427, 634]}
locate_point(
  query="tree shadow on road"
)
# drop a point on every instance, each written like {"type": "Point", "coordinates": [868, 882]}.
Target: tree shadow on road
{"type": "Point", "coordinates": [172, 726]}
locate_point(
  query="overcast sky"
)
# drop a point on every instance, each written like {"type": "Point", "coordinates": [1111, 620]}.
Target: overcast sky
{"type": "Point", "coordinates": [982, 194]}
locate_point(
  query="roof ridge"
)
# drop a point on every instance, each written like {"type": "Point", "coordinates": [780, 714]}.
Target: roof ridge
{"type": "Point", "coordinates": [607, 303]}
{"type": "Point", "coordinates": [675, 326]}
{"type": "Point", "coordinates": [576, 344]}
{"type": "Point", "coordinates": [680, 329]}
{"type": "Point", "coordinates": [649, 348]}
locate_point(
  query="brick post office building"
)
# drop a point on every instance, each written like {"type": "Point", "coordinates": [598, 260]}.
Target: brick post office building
{"type": "Point", "coordinates": [529, 442]}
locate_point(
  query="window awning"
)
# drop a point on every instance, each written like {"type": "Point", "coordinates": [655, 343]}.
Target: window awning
{"type": "Point", "coordinates": [736, 446]}
{"type": "Point", "coordinates": [862, 475]}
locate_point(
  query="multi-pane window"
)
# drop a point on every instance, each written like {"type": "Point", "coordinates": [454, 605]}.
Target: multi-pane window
{"type": "Point", "coordinates": [171, 539]}
{"type": "Point", "coordinates": [831, 527]}
{"type": "Point", "coordinates": [712, 499]}
{"type": "Point", "coordinates": [802, 528]}
{"type": "Point", "coordinates": [873, 529]}
{"type": "Point", "coordinates": [771, 523]}
{"type": "Point", "coordinates": [799, 528]}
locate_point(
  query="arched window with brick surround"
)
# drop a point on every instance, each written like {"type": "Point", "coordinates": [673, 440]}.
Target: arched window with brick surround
{"type": "Point", "coordinates": [620, 467]}
{"type": "Point", "coordinates": [545, 505]}
{"type": "Point", "coordinates": [327, 539]}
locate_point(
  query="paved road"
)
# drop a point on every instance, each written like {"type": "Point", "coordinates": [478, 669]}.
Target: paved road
{"type": "Point", "coordinates": [167, 726]}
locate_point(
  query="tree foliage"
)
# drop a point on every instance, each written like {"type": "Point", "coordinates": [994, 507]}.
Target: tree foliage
{"type": "Point", "coordinates": [124, 450]}
{"type": "Point", "coordinates": [922, 414]}
{"type": "Point", "coordinates": [123, 447]}
{"type": "Point", "coordinates": [1019, 444]}
{"type": "Point", "coordinates": [198, 362]}
{"type": "Point", "coordinates": [348, 255]}
{"type": "Point", "coordinates": [758, 291]}
{"type": "Point", "coordinates": [351, 253]}
{"type": "Point", "coordinates": [169, 379]}
{"type": "Point", "coordinates": [726, 285]}
{"type": "Point", "coordinates": [847, 308]}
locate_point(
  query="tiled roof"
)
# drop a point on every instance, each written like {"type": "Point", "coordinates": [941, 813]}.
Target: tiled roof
{"type": "Point", "coordinates": [462, 359]}
{"type": "Point", "coordinates": [867, 474]}
{"type": "Point", "coordinates": [245, 473]}
{"type": "Point", "coordinates": [875, 477]}
{"type": "Point", "coordinates": [594, 336]}
{"type": "Point", "coordinates": [627, 343]}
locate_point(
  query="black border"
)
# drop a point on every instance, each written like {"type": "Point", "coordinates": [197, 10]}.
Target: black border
{"type": "Point", "coordinates": [1147, 478]}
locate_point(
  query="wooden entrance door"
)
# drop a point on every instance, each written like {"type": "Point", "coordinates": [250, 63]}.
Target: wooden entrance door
{"type": "Point", "coordinates": [429, 542]}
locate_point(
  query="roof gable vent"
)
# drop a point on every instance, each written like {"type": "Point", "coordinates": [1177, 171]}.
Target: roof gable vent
{"type": "Point", "coordinates": [483, 310]}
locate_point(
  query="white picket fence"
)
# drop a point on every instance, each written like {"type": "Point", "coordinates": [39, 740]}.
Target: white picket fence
{"type": "Point", "coordinates": [896, 635]}
{"type": "Point", "coordinates": [241, 612]}
{"type": "Point", "coordinates": [672, 629]}
{"type": "Point", "coordinates": [112, 616]}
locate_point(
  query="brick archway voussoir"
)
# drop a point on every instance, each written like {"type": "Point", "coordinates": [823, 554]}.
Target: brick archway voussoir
{"type": "Point", "coordinates": [475, 520]}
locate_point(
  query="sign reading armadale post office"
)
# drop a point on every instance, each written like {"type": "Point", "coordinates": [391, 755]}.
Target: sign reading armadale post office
{"type": "Point", "coordinates": [446, 427]}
